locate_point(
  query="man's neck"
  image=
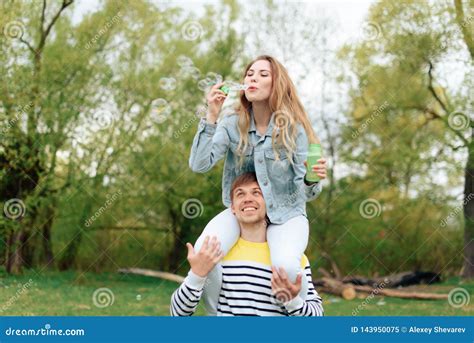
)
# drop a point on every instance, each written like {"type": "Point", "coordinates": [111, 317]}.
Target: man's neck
{"type": "Point", "coordinates": [262, 114]}
{"type": "Point", "coordinates": [254, 232]}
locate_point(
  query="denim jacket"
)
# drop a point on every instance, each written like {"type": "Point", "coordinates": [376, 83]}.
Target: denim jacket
{"type": "Point", "coordinates": [282, 183]}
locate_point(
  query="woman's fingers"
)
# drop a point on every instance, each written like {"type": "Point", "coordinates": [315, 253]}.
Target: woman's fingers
{"type": "Point", "coordinates": [317, 167]}
{"type": "Point", "coordinates": [217, 86]}
{"type": "Point", "coordinates": [217, 97]}
{"type": "Point", "coordinates": [217, 91]}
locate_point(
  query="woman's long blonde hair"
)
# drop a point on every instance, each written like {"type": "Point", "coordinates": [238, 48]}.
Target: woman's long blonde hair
{"type": "Point", "coordinates": [286, 106]}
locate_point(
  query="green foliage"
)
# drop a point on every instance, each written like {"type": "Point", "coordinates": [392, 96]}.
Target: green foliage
{"type": "Point", "coordinates": [103, 171]}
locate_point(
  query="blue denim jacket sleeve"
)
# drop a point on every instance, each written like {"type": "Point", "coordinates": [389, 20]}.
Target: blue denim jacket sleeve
{"type": "Point", "coordinates": [312, 191]}
{"type": "Point", "coordinates": [210, 144]}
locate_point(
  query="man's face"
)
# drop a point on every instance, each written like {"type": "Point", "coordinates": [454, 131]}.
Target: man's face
{"type": "Point", "coordinates": [248, 204]}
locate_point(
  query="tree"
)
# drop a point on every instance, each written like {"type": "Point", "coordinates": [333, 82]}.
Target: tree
{"type": "Point", "coordinates": [402, 115]}
{"type": "Point", "coordinates": [76, 101]}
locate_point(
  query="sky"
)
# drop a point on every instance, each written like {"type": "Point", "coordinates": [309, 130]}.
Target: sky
{"type": "Point", "coordinates": [349, 12]}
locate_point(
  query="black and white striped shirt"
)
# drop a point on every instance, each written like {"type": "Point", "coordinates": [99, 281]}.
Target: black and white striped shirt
{"type": "Point", "coordinates": [246, 287]}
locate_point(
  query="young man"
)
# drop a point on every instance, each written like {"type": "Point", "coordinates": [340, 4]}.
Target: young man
{"type": "Point", "coordinates": [250, 285]}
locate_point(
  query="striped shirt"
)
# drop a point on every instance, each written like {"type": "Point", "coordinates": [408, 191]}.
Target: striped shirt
{"type": "Point", "coordinates": [246, 287]}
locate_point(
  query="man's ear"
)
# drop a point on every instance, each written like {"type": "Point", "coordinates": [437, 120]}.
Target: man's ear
{"type": "Point", "coordinates": [232, 208]}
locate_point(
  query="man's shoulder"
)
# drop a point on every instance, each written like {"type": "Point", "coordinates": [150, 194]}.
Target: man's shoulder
{"type": "Point", "coordinates": [244, 251]}
{"type": "Point", "coordinates": [304, 262]}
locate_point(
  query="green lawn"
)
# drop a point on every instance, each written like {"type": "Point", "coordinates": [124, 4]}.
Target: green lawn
{"type": "Point", "coordinates": [71, 293]}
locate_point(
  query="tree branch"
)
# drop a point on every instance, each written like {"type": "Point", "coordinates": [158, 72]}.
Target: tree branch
{"type": "Point", "coordinates": [445, 120]}
{"type": "Point", "coordinates": [28, 45]}
{"type": "Point", "coordinates": [432, 90]}
{"type": "Point", "coordinates": [43, 11]}
{"type": "Point", "coordinates": [463, 26]}
{"type": "Point", "coordinates": [45, 33]}
{"type": "Point", "coordinates": [443, 105]}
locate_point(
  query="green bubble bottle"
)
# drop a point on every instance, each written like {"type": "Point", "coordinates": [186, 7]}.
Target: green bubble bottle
{"type": "Point", "coordinates": [314, 154]}
{"type": "Point", "coordinates": [232, 86]}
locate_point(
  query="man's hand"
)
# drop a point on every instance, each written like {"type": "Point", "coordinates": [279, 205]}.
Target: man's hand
{"type": "Point", "coordinates": [203, 262]}
{"type": "Point", "coordinates": [282, 288]}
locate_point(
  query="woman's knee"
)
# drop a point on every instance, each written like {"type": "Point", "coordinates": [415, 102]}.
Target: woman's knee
{"type": "Point", "coordinates": [290, 264]}
{"type": "Point", "coordinates": [225, 227]}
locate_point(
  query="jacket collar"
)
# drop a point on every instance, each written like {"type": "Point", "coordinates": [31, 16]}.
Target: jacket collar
{"type": "Point", "coordinates": [253, 128]}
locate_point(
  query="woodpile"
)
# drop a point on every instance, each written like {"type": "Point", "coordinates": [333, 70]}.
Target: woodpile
{"type": "Point", "coordinates": [350, 286]}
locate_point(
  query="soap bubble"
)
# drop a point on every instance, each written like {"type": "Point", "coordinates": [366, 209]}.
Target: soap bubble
{"type": "Point", "coordinates": [160, 108]}
{"type": "Point", "coordinates": [184, 61]}
{"type": "Point", "coordinates": [195, 73]}
{"type": "Point", "coordinates": [203, 85]}
{"type": "Point", "coordinates": [192, 71]}
{"type": "Point", "coordinates": [213, 78]}
{"type": "Point", "coordinates": [167, 83]}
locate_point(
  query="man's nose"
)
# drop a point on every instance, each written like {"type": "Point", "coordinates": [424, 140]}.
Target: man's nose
{"type": "Point", "coordinates": [248, 198]}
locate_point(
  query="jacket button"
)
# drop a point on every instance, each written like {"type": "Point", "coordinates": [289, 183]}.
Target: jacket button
{"type": "Point", "coordinates": [265, 183]}
{"type": "Point", "coordinates": [260, 160]}
{"type": "Point", "coordinates": [271, 205]}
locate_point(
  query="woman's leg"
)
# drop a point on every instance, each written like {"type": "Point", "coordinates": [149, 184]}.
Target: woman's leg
{"type": "Point", "coordinates": [227, 230]}
{"type": "Point", "coordinates": [287, 244]}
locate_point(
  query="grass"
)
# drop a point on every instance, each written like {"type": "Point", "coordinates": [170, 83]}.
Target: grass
{"type": "Point", "coordinates": [71, 293]}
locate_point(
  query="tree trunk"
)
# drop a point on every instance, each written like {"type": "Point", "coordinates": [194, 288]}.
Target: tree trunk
{"type": "Point", "coordinates": [47, 257]}
{"type": "Point", "coordinates": [26, 248]}
{"type": "Point", "coordinates": [70, 252]}
{"type": "Point", "coordinates": [14, 259]}
{"type": "Point", "coordinates": [176, 252]}
{"type": "Point", "coordinates": [468, 268]}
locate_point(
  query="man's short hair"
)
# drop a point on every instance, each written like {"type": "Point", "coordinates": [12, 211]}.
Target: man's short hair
{"type": "Point", "coordinates": [241, 180]}
{"type": "Point", "coordinates": [244, 179]}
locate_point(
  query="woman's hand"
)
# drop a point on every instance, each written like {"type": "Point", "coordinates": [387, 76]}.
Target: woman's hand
{"type": "Point", "coordinates": [215, 100]}
{"type": "Point", "coordinates": [206, 259]}
{"type": "Point", "coordinates": [319, 168]}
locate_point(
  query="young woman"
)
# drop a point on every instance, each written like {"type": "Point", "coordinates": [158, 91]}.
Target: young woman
{"type": "Point", "coordinates": [269, 135]}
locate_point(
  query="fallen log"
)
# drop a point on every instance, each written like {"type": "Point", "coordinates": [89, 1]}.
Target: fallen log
{"type": "Point", "coordinates": [152, 273]}
{"type": "Point", "coordinates": [349, 291]}
{"type": "Point", "coordinates": [402, 279]}
{"type": "Point", "coordinates": [336, 287]}
{"type": "Point", "coordinates": [401, 294]}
